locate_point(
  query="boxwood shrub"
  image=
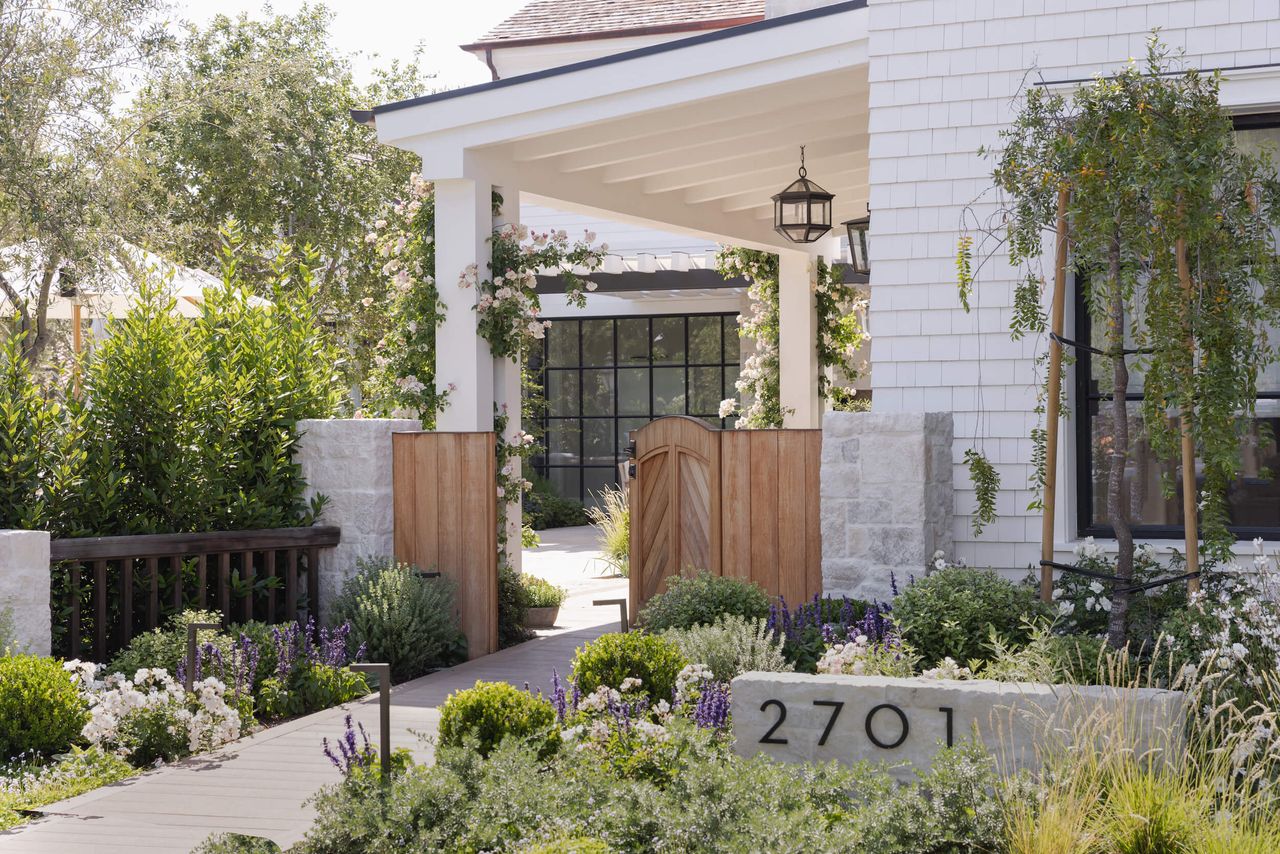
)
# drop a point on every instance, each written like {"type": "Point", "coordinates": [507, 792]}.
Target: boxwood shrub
{"type": "Point", "coordinates": [40, 709]}
{"type": "Point", "coordinates": [491, 711]}
{"type": "Point", "coordinates": [610, 658]}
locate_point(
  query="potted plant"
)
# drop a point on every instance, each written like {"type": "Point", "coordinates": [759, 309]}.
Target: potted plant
{"type": "Point", "coordinates": [544, 599]}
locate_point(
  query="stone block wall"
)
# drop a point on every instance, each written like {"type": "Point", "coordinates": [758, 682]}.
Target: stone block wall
{"type": "Point", "coordinates": [24, 591]}
{"type": "Point", "coordinates": [349, 462]}
{"type": "Point", "coordinates": [886, 498]}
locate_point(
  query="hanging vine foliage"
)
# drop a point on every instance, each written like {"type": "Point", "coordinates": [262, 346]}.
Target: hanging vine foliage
{"type": "Point", "coordinates": [840, 308]}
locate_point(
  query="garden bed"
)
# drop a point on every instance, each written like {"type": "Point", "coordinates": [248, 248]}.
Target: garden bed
{"type": "Point", "coordinates": [633, 750]}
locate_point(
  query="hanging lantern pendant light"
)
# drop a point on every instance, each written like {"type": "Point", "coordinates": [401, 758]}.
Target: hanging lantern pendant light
{"type": "Point", "coordinates": [802, 212]}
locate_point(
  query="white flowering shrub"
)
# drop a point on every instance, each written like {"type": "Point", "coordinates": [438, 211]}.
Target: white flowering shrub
{"type": "Point", "coordinates": [947, 669]}
{"type": "Point", "coordinates": [859, 656]}
{"type": "Point", "coordinates": [1082, 605]}
{"type": "Point", "coordinates": [637, 737]}
{"type": "Point", "coordinates": [1226, 641]}
{"type": "Point", "coordinates": [151, 718]}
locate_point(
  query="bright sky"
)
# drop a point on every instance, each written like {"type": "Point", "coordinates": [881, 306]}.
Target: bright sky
{"type": "Point", "coordinates": [391, 29]}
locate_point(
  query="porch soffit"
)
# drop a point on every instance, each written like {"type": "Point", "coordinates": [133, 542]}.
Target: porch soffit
{"type": "Point", "coordinates": [695, 137]}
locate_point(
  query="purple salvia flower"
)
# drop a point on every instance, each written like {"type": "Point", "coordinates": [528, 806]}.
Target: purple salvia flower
{"type": "Point", "coordinates": [557, 695]}
{"type": "Point", "coordinates": [893, 584]}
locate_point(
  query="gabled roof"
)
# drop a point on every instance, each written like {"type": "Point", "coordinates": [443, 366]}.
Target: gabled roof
{"type": "Point", "coordinates": [544, 21]}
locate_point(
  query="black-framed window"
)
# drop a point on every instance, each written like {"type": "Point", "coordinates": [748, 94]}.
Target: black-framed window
{"type": "Point", "coordinates": [603, 377]}
{"type": "Point", "coordinates": [1253, 500]}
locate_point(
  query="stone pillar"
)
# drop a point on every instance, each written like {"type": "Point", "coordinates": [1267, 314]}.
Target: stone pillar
{"type": "Point", "coordinates": [348, 461]}
{"type": "Point", "coordinates": [507, 391]}
{"type": "Point", "coordinates": [886, 497]}
{"type": "Point", "coordinates": [797, 341]}
{"type": "Point", "coordinates": [24, 592]}
{"type": "Point", "coordinates": [464, 367]}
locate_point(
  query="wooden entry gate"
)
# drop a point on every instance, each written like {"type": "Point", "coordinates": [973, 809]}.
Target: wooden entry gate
{"type": "Point", "coordinates": [733, 502]}
{"type": "Point", "coordinates": [445, 519]}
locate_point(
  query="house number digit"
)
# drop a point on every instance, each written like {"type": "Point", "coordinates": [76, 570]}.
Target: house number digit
{"type": "Point", "coordinates": [902, 719]}
{"type": "Point", "coordinates": [831, 721]}
{"type": "Point", "coordinates": [950, 713]}
{"type": "Point", "coordinates": [768, 738]}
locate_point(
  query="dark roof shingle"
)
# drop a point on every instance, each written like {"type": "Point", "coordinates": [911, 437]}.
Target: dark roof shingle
{"type": "Point", "coordinates": [553, 20]}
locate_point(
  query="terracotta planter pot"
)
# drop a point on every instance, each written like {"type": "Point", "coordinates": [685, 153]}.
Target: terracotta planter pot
{"type": "Point", "coordinates": [541, 618]}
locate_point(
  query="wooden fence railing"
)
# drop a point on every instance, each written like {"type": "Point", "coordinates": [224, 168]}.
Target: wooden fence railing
{"type": "Point", "coordinates": [117, 587]}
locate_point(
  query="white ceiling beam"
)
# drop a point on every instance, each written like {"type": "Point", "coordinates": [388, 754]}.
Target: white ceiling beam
{"type": "Point", "coordinates": [766, 184]}
{"type": "Point", "coordinates": [757, 196]}
{"type": "Point", "coordinates": [730, 109]}
{"type": "Point", "coordinates": [581, 193]}
{"type": "Point", "coordinates": [784, 156]}
{"type": "Point", "coordinates": [662, 160]}
{"type": "Point", "coordinates": [668, 133]}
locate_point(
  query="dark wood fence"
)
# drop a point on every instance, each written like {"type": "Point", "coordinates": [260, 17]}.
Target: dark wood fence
{"type": "Point", "coordinates": [114, 588]}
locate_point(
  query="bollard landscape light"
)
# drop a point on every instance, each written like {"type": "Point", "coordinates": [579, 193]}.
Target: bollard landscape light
{"type": "Point", "coordinates": [189, 678]}
{"type": "Point", "coordinates": [622, 608]}
{"type": "Point", "coordinates": [383, 672]}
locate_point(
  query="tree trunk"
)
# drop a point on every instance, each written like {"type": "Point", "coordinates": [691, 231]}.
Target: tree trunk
{"type": "Point", "coordinates": [38, 325]}
{"type": "Point", "coordinates": [1117, 505]}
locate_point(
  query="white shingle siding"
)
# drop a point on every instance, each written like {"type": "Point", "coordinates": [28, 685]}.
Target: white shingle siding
{"type": "Point", "coordinates": [943, 74]}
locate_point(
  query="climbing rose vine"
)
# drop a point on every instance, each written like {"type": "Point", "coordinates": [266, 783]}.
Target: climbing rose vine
{"type": "Point", "coordinates": [402, 379]}
{"type": "Point", "coordinates": [840, 307]}
{"type": "Point", "coordinates": [758, 383]}
{"type": "Point", "coordinates": [508, 307]}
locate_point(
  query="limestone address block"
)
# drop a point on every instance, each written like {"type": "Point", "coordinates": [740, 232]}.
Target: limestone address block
{"type": "Point", "coordinates": [797, 717]}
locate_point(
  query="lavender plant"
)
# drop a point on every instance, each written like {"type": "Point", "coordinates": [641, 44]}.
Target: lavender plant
{"type": "Point", "coordinates": [351, 756]}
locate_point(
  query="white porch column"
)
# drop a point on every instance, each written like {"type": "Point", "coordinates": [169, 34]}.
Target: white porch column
{"type": "Point", "coordinates": [797, 341]}
{"type": "Point", "coordinates": [507, 393]}
{"type": "Point", "coordinates": [464, 221]}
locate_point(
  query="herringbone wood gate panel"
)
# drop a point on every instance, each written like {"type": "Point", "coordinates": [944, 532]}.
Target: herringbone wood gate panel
{"type": "Point", "coordinates": [736, 502]}
{"type": "Point", "coordinates": [445, 517]}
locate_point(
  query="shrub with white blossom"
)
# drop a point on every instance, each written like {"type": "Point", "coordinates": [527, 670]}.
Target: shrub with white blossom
{"type": "Point", "coordinates": [508, 306]}
{"type": "Point", "coordinates": [151, 718]}
{"type": "Point", "coordinates": [1228, 635]}
{"type": "Point", "coordinates": [859, 656]}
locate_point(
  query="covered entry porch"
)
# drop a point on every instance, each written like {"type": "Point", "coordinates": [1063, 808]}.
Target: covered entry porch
{"type": "Point", "coordinates": [693, 136]}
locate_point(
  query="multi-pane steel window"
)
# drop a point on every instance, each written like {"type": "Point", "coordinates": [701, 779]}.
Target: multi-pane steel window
{"type": "Point", "coordinates": [603, 377]}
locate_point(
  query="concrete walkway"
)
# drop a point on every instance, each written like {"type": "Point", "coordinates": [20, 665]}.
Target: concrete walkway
{"type": "Point", "coordinates": [259, 785]}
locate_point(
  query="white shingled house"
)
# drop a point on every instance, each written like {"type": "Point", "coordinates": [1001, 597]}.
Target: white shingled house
{"type": "Point", "coordinates": [679, 127]}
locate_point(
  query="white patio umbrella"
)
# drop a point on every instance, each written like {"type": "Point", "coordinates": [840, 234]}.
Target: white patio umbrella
{"type": "Point", "coordinates": [113, 290]}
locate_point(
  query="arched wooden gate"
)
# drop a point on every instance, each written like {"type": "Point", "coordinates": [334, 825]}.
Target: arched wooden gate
{"type": "Point", "coordinates": [737, 502]}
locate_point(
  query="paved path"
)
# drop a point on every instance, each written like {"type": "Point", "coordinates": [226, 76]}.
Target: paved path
{"type": "Point", "coordinates": [258, 785]}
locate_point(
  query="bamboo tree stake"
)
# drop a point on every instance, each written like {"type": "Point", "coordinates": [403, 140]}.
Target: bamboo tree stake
{"type": "Point", "coordinates": [1185, 416]}
{"type": "Point", "coordinates": [1052, 405]}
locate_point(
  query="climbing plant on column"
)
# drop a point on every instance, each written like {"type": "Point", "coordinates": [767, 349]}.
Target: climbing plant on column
{"type": "Point", "coordinates": [840, 332]}
{"type": "Point", "coordinates": [758, 385]}
{"type": "Point", "coordinates": [1172, 238]}
{"type": "Point", "coordinates": [402, 379]}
